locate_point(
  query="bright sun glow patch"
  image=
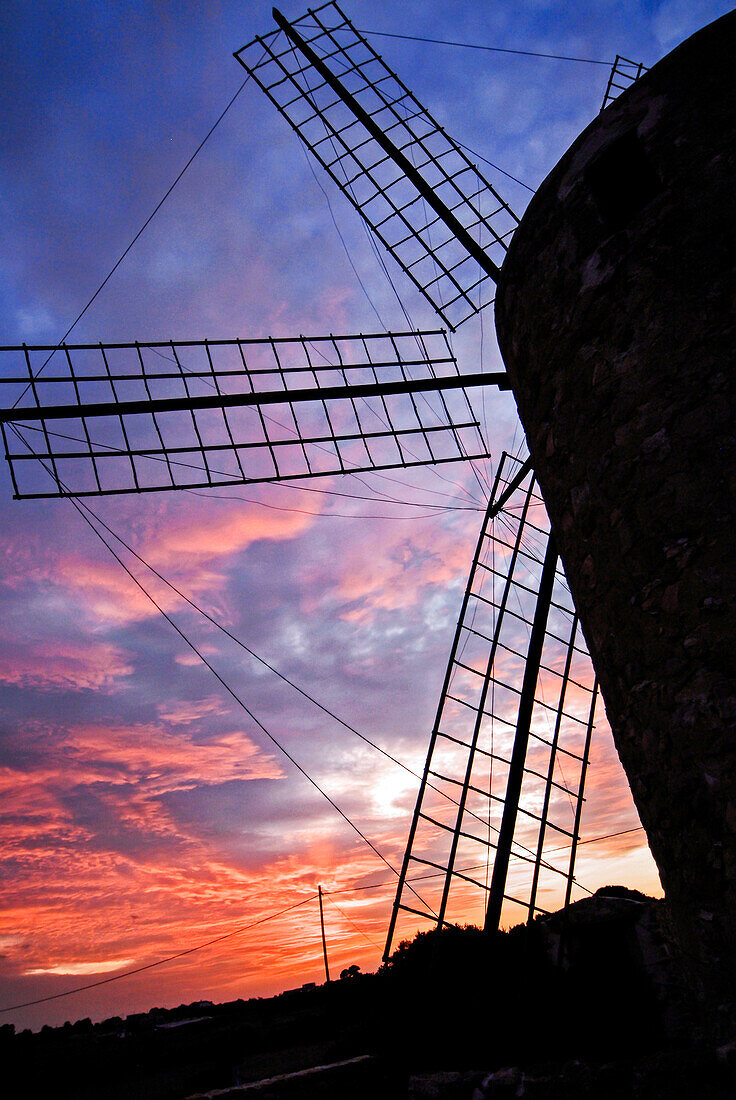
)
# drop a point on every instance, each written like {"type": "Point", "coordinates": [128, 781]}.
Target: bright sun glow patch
{"type": "Point", "coordinates": [81, 969]}
{"type": "Point", "coordinates": [390, 793]}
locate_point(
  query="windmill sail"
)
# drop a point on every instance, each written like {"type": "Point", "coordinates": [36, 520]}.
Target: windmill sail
{"type": "Point", "coordinates": [91, 420]}
{"type": "Point", "coordinates": [481, 835]}
{"type": "Point", "coordinates": [624, 73]}
{"type": "Point", "coordinates": [423, 198]}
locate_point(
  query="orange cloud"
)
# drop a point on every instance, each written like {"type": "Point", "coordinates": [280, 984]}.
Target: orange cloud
{"type": "Point", "coordinates": [81, 969]}
{"type": "Point", "coordinates": [154, 759]}
{"type": "Point", "coordinates": [214, 529]}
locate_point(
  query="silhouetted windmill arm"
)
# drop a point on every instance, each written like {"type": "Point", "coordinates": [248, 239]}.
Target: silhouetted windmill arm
{"type": "Point", "coordinates": [624, 73]}
{"type": "Point", "coordinates": [117, 418]}
{"type": "Point", "coordinates": [422, 197]}
{"type": "Point", "coordinates": [242, 400]}
{"type": "Point", "coordinates": [412, 174]}
{"type": "Point", "coordinates": [508, 753]}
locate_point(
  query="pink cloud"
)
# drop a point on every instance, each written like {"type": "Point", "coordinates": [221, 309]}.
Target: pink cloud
{"type": "Point", "coordinates": [63, 664]}
{"type": "Point", "coordinates": [188, 538]}
{"type": "Point", "coordinates": [183, 713]}
{"type": "Point", "coordinates": [213, 529]}
{"type": "Point", "coordinates": [126, 770]}
{"type": "Point", "coordinates": [397, 575]}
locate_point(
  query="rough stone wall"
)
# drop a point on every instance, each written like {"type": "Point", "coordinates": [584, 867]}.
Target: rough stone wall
{"type": "Point", "coordinates": [615, 316]}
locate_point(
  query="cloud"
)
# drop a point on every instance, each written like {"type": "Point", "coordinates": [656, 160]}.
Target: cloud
{"type": "Point", "coordinates": [82, 968]}
{"type": "Point", "coordinates": [198, 535]}
{"type": "Point", "coordinates": [94, 854]}
{"type": "Point", "coordinates": [153, 759]}
{"type": "Point", "coordinates": [678, 19]}
{"type": "Point", "coordinates": [63, 665]}
{"type": "Point", "coordinates": [186, 712]}
{"type": "Point", "coordinates": [395, 573]}
{"type": "Point", "coordinates": [191, 660]}
{"type": "Point", "coordinates": [104, 593]}
{"type": "Point", "coordinates": [104, 788]}
{"type": "Point", "coordinates": [191, 540]}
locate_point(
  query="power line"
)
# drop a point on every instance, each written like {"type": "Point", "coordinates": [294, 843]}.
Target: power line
{"type": "Point", "coordinates": [159, 962]}
{"type": "Point", "coordinates": [360, 931]}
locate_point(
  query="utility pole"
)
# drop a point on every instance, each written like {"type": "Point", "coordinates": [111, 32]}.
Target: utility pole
{"type": "Point", "coordinates": [324, 941]}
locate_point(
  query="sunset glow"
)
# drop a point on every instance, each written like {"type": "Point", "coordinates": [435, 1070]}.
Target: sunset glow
{"type": "Point", "coordinates": [147, 809]}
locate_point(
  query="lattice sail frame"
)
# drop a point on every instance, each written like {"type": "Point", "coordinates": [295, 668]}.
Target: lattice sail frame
{"type": "Point", "coordinates": [388, 155]}
{"type": "Point", "coordinates": [450, 862]}
{"type": "Point", "coordinates": [117, 418]}
{"type": "Point", "coordinates": [624, 73]}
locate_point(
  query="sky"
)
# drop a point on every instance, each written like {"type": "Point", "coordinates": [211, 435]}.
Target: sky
{"type": "Point", "coordinates": [144, 812]}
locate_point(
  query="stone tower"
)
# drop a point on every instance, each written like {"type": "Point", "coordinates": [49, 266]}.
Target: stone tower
{"type": "Point", "coordinates": [615, 316]}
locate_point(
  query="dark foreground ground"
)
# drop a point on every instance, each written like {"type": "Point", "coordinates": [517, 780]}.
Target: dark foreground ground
{"type": "Point", "coordinates": [586, 1007]}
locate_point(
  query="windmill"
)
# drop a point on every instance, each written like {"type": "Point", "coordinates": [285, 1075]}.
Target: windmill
{"type": "Point", "coordinates": [111, 419]}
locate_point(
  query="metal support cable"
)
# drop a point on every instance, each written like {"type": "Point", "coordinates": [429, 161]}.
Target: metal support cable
{"type": "Point", "coordinates": [82, 512]}
{"type": "Point", "coordinates": [140, 232]}
{"type": "Point", "coordinates": [489, 49]}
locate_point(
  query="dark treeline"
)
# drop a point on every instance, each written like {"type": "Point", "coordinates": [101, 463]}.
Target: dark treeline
{"type": "Point", "coordinates": [594, 987]}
